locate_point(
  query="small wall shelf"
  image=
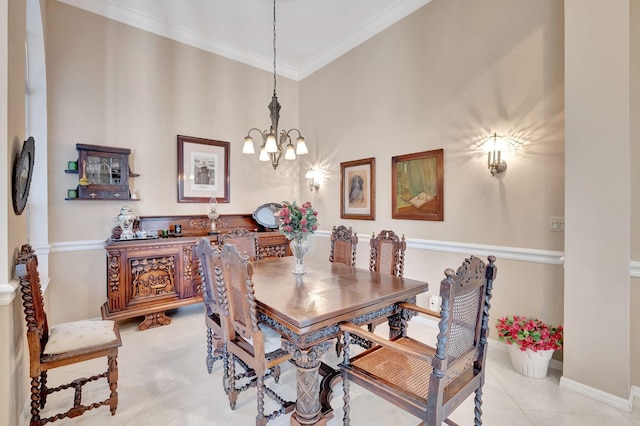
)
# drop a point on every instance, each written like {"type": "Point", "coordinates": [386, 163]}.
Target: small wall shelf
{"type": "Point", "coordinates": [103, 173]}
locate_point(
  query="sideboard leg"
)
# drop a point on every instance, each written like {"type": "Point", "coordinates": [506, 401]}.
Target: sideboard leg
{"type": "Point", "coordinates": [157, 319]}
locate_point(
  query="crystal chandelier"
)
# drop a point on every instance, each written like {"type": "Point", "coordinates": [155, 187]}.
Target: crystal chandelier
{"type": "Point", "coordinates": [272, 148]}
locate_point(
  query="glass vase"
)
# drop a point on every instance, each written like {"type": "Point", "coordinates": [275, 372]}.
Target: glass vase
{"type": "Point", "coordinates": [299, 247]}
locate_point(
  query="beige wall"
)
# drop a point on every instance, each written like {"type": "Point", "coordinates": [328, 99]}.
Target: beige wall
{"type": "Point", "coordinates": [597, 204]}
{"type": "Point", "coordinates": [111, 84]}
{"type": "Point", "coordinates": [13, 376]}
{"type": "Point", "coordinates": [634, 48]}
{"type": "Point", "coordinates": [446, 77]}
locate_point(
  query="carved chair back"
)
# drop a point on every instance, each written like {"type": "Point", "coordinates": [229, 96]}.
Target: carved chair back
{"type": "Point", "coordinates": [344, 243]}
{"type": "Point", "coordinates": [244, 338]}
{"type": "Point", "coordinates": [240, 307]}
{"type": "Point", "coordinates": [431, 382]}
{"type": "Point", "coordinates": [245, 241]}
{"type": "Point", "coordinates": [387, 253]}
{"type": "Point", "coordinates": [461, 349]}
{"type": "Point", "coordinates": [62, 345]}
{"type": "Point", "coordinates": [35, 315]}
{"type": "Point", "coordinates": [209, 269]}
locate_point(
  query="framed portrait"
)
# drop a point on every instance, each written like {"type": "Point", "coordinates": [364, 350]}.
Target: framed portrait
{"type": "Point", "coordinates": [203, 170]}
{"type": "Point", "coordinates": [358, 189]}
{"type": "Point", "coordinates": [417, 187]}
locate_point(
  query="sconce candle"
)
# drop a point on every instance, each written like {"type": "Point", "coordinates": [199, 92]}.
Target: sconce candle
{"type": "Point", "coordinates": [494, 147]}
{"type": "Point", "coordinates": [314, 177]}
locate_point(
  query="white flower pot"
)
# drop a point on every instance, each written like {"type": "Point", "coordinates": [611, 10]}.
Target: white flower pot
{"type": "Point", "coordinates": [530, 363]}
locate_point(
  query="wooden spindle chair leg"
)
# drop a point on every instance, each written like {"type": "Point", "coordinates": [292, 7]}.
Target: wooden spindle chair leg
{"type": "Point", "coordinates": [261, 420]}
{"type": "Point", "coordinates": [112, 378]}
{"type": "Point", "coordinates": [43, 389]}
{"type": "Point", "coordinates": [276, 373]}
{"type": "Point", "coordinates": [35, 401]}
{"type": "Point", "coordinates": [345, 381]}
{"type": "Point", "coordinates": [233, 392]}
{"type": "Point", "coordinates": [478, 407]}
{"type": "Point", "coordinates": [225, 377]}
{"type": "Point", "coordinates": [210, 358]}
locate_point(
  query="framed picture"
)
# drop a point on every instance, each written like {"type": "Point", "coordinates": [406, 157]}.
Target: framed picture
{"type": "Point", "coordinates": [417, 187]}
{"type": "Point", "coordinates": [203, 170]}
{"type": "Point", "coordinates": [358, 189]}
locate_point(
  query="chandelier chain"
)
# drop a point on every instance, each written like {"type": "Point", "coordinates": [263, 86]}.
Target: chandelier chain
{"type": "Point", "coordinates": [274, 47]}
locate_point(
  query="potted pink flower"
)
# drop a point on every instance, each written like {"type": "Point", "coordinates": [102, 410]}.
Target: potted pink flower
{"type": "Point", "coordinates": [531, 343]}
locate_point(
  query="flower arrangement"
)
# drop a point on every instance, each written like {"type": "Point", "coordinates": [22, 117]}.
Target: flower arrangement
{"type": "Point", "coordinates": [298, 221]}
{"type": "Point", "coordinates": [529, 333]}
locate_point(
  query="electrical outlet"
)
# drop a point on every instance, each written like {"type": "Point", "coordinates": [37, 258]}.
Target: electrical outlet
{"type": "Point", "coordinates": [556, 224]}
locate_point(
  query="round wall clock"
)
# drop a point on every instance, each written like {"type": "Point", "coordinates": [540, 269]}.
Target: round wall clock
{"type": "Point", "coordinates": [22, 172]}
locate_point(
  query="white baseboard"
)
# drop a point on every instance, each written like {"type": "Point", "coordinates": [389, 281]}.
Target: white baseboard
{"type": "Point", "coordinates": [636, 391]}
{"type": "Point", "coordinates": [598, 395]}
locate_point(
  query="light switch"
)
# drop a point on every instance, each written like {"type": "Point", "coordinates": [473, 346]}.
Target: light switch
{"type": "Point", "coordinates": [556, 224]}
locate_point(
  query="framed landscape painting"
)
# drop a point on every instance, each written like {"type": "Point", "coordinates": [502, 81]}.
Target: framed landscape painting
{"type": "Point", "coordinates": [203, 170]}
{"type": "Point", "coordinates": [417, 187]}
{"type": "Point", "coordinates": [358, 189]}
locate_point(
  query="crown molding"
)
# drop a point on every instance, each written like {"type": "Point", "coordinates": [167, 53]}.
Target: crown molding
{"type": "Point", "coordinates": [146, 22]}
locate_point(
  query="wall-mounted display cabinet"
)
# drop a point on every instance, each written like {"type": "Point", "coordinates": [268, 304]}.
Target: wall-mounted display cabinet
{"type": "Point", "coordinates": [103, 173]}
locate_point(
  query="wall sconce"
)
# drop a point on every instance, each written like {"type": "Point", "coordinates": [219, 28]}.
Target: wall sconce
{"type": "Point", "coordinates": [494, 147]}
{"type": "Point", "coordinates": [314, 177]}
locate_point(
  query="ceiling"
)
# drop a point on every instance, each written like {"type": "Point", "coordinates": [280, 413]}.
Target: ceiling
{"type": "Point", "coordinates": [310, 33]}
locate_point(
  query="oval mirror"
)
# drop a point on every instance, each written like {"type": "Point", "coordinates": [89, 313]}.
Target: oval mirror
{"type": "Point", "coordinates": [267, 215]}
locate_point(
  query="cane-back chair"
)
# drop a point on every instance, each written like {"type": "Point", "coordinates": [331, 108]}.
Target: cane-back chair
{"type": "Point", "coordinates": [386, 257]}
{"type": "Point", "coordinates": [387, 253]}
{"type": "Point", "coordinates": [245, 241]}
{"type": "Point", "coordinates": [344, 243]}
{"type": "Point", "coordinates": [208, 266]}
{"type": "Point", "coordinates": [243, 336]}
{"type": "Point", "coordinates": [61, 345]}
{"type": "Point", "coordinates": [428, 382]}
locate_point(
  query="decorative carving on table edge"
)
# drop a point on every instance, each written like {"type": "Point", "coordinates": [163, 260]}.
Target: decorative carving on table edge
{"type": "Point", "coordinates": [306, 358]}
{"type": "Point", "coordinates": [328, 332]}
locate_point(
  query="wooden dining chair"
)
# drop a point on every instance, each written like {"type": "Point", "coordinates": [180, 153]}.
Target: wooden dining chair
{"type": "Point", "coordinates": [387, 253]}
{"type": "Point", "coordinates": [344, 243]}
{"type": "Point", "coordinates": [386, 257]}
{"type": "Point", "coordinates": [61, 345]}
{"type": "Point", "coordinates": [428, 382]}
{"type": "Point", "coordinates": [245, 241]}
{"type": "Point", "coordinates": [208, 266]}
{"type": "Point", "coordinates": [244, 337]}
{"type": "Point", "coordinates": [211, 272]}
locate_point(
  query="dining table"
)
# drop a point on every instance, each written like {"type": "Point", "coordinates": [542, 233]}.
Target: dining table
{"type": "Point", "coordinates": [307, 310]}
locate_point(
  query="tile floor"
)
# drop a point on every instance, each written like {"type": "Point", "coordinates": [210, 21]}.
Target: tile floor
{"type": "Point", "coordinates": [163, 381]}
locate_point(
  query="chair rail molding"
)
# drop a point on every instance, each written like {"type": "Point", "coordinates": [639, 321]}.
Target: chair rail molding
{"type": "Point", "coordinates": [513, 253]}
{"type": "Point", "coordinates": [8, 292]}
{"type": "Point", "coordinates": [67, 246]}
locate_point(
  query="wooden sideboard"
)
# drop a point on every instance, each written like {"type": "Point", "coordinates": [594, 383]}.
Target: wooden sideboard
{"type": "Point", "coordinates": [147, 277]}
